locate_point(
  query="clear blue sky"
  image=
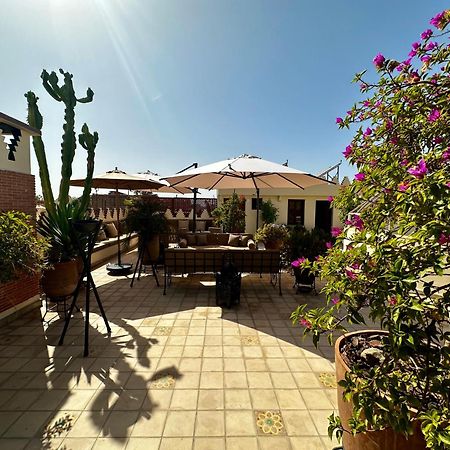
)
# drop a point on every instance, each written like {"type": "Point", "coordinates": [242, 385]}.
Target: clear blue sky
{"type": "Point", "coordinates": [178, 81]}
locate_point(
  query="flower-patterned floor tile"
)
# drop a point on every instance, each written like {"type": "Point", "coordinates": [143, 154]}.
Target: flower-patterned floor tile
{"type": "Point", "coordinates": [165, 381]}
{"type": "Point", "coordinates": [269, 423]}
{"type": "Point", "coordinates": [249, 340]}
{"type": "Point", "coordinates": [162, 331]}
{"type": "Point", "coordinates": [328, 379]}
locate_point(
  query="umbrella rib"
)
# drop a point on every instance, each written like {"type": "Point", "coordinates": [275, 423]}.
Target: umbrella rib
{"type": "Point", "coordinates": [218, 181]}
{"type": "Point", "coordinates": [290, 181]}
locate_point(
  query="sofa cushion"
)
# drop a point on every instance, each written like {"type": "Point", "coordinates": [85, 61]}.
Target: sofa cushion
{"type": "Point", "coordinates": [214, 229]}
{"type": "Point", "coordinates": [190, 239]}
{"type": "Point", "coordinates": [234, 240]}
{"type": "Point", "coordinates": [200, 225]}
{"type": "Point", "coordinates": [101, 236]}
{"type": "Point", "coordinates": [183, 224]}
{"type": "Point", "coordinates": [183, 231]}
{"type": "Point", "coordinates": [244, 240]}
{"type": "Point", "coordinates": [201, 239]}
{"type": "Point", "coordinates": [111, 230]}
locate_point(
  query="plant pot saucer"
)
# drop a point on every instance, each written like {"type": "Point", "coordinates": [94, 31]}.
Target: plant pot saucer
{"type": "Point", "coordinates": [119, 269]}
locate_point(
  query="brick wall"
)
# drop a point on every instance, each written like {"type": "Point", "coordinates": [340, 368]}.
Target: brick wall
{"type": "Point", "coordinates": [17, 192]}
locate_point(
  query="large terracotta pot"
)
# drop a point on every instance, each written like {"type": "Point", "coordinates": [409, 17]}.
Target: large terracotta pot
{"type": "Point", "coordinates": [151, 255]}
{"type": "Point", "coordinates": [373, 440]}
{"type": "Point", "coordinates": [273, 245]}
{"type": "Point", "coordinates": [61, 280]}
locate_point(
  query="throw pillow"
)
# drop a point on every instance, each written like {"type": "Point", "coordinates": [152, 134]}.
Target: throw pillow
{"type": "Point", "coordinates": [183, 231]}
{"type": "Point", "coordinates": [190, 239]}
{"type": "Point", "coordinates": [244, 240]}
{"type": "Point", "coordinates": [214, 230]}
{"type": "Point", "coordinates": [251, 244]}
{"type": "Point", "coordinates": [101, 236]}
{"type": "Point", "coordinates": [111, 230]}
{"type": "Point", "coordinates": [200, 225]}
{"type": "Point", "coordinates": [233, 240]}
{"type": "Point", "coordinates": [202, 239]}
{"type": "Point", "coordinates": [182, 243]}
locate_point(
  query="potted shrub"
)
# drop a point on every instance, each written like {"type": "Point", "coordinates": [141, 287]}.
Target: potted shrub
{"type": "Point", "coordinates": [61, 278]}
{"type": "Point", "coordinates": [269, 212]}
{"type": "Point", "coordinates": [391, 261]}
{"type": "Point", "coordinates": [230, 215]}
{"type": "Point", "coordinates": [145, 216]}
{"type": "Point", "coordinates": [272, 235]}
{"type": "Point", "coordinates": [21, 251]}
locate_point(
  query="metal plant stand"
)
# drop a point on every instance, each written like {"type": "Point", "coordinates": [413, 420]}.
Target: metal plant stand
{"type": "Point", "coordinates": [86, 232]}
{"type": "Point", "coordinates": [143, 250]}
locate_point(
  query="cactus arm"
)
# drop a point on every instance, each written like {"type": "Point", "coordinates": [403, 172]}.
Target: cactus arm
{"type": "Point", "coordinates": [50, 83]}
{"type": "Point", "coordinates": [89, 142]}
{"type": "Point", "coordinates": [35, 120]}
{"type": "Point", "coordinates": [89, 97]}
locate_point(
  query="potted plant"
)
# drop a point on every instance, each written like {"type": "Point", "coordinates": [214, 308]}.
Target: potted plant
{"type": "Point", "coordinates": [269, 212]}
{"type": "Point", "coordinates": [21, 251]}
{"type": "Point", "coordinates": [272, 235]}
{"type": "Point", "coordinates": [61, 278]}
{"type": "Point", "coordinates": [391, 261]}
{"type": "Point", "coordinates": [145, 216]}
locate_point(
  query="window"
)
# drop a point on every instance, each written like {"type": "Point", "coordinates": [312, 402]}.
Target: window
{"type": "Point", "coordinates": [254, 203]}
{"type": "Point", "coordinates": [324, 215]}
{"type": "Point", "coordinates": [296, 212]}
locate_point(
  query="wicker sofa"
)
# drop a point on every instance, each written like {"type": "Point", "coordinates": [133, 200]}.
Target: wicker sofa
{"type": "Point", "coordinates": [210, 258]}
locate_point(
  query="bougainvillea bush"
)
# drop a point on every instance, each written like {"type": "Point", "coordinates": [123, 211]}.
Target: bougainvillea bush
{"type": "Point", "coordinates": [390, 259]}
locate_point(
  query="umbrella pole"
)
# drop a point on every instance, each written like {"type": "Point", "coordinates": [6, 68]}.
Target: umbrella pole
{"type": "Point", "coordinates": [194, 226]}
{"type": "Point", "coordinates": [257, 208]}
{"type": "Point", "coordinates": [118, 227]}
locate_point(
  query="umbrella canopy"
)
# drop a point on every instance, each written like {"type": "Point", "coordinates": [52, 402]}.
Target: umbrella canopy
{"type": "Point", "coordinates": [245, 171]}
{"type": "Point", "coordinates": [116, 179]}
{"type": "Point", "coordinates": [164, 187]}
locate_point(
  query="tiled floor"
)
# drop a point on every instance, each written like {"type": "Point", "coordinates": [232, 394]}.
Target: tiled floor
{"type": "Point", "coordinates": [177, 373]}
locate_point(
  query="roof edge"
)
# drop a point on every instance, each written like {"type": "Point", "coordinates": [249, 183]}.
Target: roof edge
{"type": "Point", "coordinates": [18, 124]}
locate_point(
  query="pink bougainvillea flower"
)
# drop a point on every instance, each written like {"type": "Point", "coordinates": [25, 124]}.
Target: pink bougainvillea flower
{"type": "Point", "coordinates": [412, 53]}
{"type": "Point", "coordinates": [431, 45]}
{"type": "Point", "coordinates": [437, 20]}
{"type": "Point", "coordinates": [403, 186]}
{"type": "Point", "coordinates": [434, 115]}
{"type": "Point", "coordinates": [356, 222]}
{"type": "Point", "coordinates": [379, 61]}
{"type": "Point", "coordinates": [392, 301]}
{"type": "Point", "coordinates": [394, 140]}
{"type": "Point", "coordinates": [425, 59]}
{"type": "Point", "coordinates": [444, 239]}
{"type": "Point", "coordinates": [426, 34]}
{"type": "Point", "coordinates": [415, 45]}
{"type": "Point", "coordinates": [366, 103]}
{"type": "Point", "coordinates": [389, 124]}
{"type": "Point", "coordinates": [335, 300]}
{"type": "Point", "coordinates": [328, 245]}
{"type": "Point", "coordinates": [438, 140]}
{"type": "Point", "coordinates": [350, 274]}
{"type": "Point", "coordinates": [368, 131]}
{"type": "Point", "coordinates": [336, 231]}
{"type": "Point", "coordinates": [348, 151]}
{"type": "Point", "coordinates": [298, 262]}
{"type": "Point", "coordinates": [339, 120]}
{"type": "Point", "coordinates": [305, 323]}
{"type": "Point", "coordinates": [420, 170]}
{"type": "Point", "coordinates": [360, 176]}
{"type": "Point", "coordinates": [448, 184]}
{"type": "Point", "coordinates": [404, 162]}
{"type": "Point", "coordinates": [446, 155]}
{"type": "Point", "coordinates": [330, 198]}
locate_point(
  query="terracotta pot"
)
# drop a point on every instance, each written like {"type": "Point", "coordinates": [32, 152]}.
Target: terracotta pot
{"type": "Point", "coordinates": [151, 255]}
{"type": "Point", "coordinates": [372, 440]}
{"type": "Point", "coordinates": [273, 245]}
{"type": "Point", "coordinates": [61, 280]}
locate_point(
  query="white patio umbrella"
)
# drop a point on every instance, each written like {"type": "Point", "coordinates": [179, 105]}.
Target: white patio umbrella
{"type": "Point", "coordinates": [245, 171]}
{"type": "Point", "coordinates": [116, 179]}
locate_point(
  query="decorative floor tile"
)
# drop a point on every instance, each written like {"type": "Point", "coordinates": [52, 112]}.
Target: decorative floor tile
{"type": "Point", "coordinates": [164, 381]}
{"type": "Point", "coordinates": [162, 331]}
{"type": "Point", "coordinates": [328, 379]}
{"type": "Point", "coordinates": [269, 423]}
{"type": "Point", "coordinates": [249, 340]}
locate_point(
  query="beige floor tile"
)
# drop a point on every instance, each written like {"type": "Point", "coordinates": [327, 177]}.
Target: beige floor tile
{"type": "Point", "coordinates": [188, 380]}
{"type": "Point", "coordinates": [263, 399]}
{"type": "Point", "coordinates": [307, 443]}
{"type": "Point", "coordinates": [306, 380]}
{"type": "Point", "coordinates": [88, 424]}
{"type": "Point", "coordinates": [252, 351]}
{"type": "Point", "coordinates": [143, 443]}
{"type": "Point", "coordinates": [81, 443]}
{"type": "Point", "coordinates": [241, 443]}
{"type": "Point", "coordinates": [211, 380]}
{"type": "Point", "coordinates": [6, 419]}
{"type": "Point", "coordinates": [316, 399]}
{"type": "Point", "coordinates": [208, 443]}
{"type": "Point", "coordinates": [274, 442]}
{"type": "Point", "coordinates": [212, 365]}
{"type": "Point", "coordinates": [190, 365]}
{"type": "Point", "coordinates": [78, 400]}
{"type": "Point", "coordinates": [210, 423]}
{"type": "Point", "coordinates": [159, 398]}
{"type": "Point", "coordinates": [298, 423]}
{"type": "Point", "coordinates": [255, 365]}
{"type": "Point", "coordinates": [20, 444]}
{"type": "Point", "coordinates": [237, 399]}
{"type": "Point", "coordinates": [320, 365]}
{"type": "Point", "coordinates": [184, 443]}
{"type": "Point", "coordinates": [27, 425]}
{"type": "Point", "coordinates": [283, 380]}
{"type": "Point", "coordinates": [259, 380]}
{"type": "Point", "coordinates": [151, 425]}
{"type": "Point", "coordinates": [236, 380]}
{"type": "Point", "coordinates": [119, 424]}
{"type": "Point", "coordinates": [240, 423]}
{"type": "Point", "coordinates": [210, 399]}
{"type": "Point", "coordinates": [180, 423]}
{"type": "Point", "coordinates": [21, 400]}
{"type": "Point", "coordinates": [232, 351]}
{"type": "Point", "coordinates": [213, 351]}
{"type": "Point", "coordinates": [109, 444]}
{"type": "Point", "coordinates": [184, 399]}
{"type": "Point", "coordinates": [320, 419]}
{"type": "Point", "coordinates": [289, 399]}
{"type": "Point", "coordinates": [233, 365]}
{"type": "Point", "coordinates": [171, 351]}
{"type": "Point", "coordinates": [193, 351]}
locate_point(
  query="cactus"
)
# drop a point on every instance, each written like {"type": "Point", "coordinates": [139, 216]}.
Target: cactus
{"type": "Point", "coordinates": [88, 141]}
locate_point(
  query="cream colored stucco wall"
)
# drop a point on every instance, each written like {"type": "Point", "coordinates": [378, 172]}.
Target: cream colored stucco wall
{"type": "Point", "coordinates": [22, 155]}
{"type": "Point", "coordinates": [280, 197]}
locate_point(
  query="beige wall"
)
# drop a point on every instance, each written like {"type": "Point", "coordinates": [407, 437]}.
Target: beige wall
{"type": "Point", "coordinates": [22, 155]}
{"type": "Point", "coordinates": [280, 197]}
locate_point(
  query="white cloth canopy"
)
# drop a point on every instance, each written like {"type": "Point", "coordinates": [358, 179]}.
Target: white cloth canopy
{"type": "Point", "coordinates": [165, 187]}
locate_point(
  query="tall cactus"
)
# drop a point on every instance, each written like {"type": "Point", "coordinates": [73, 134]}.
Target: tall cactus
{"type": "Point", "coordinates": [64, 93]}
{"type": "Point", "coordinates": [35, 120]}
